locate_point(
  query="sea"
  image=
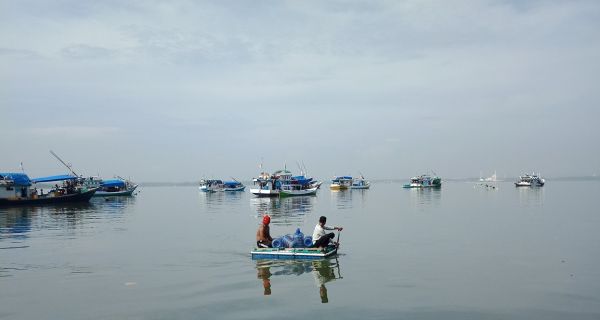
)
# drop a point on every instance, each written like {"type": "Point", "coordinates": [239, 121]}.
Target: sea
{"type": "Point", "coordinates": [465, 251]}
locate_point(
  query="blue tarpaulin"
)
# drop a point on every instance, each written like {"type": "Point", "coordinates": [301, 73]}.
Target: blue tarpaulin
{"type": "Point", "coordinates": [20, 179]}
{"type": "Point", "coordinates": [113, 183]}
{"type": "Point", "coordinates": [231, 183]}
{"type": "Point", "coordinates": [60, 177]}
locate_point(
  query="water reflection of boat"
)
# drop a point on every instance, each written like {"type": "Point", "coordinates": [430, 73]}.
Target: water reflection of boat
{"type": "Point", "coordinates": [283, 211]}
{"type": "Point", "coordinates": [425, 196]}
{"type": "Point", "coordinates": [323, 271]}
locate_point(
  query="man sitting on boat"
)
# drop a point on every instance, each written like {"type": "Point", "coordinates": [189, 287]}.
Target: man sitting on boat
{"type": "Point", "coordinates": [263, 234]}
{"type": "Point", "coordinates": [321, 238]}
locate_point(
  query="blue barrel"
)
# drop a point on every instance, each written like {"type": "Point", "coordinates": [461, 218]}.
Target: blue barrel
{"type": "Point", "coordinates": [308, 241]}
{"type": "Point", "coordinates": [298, 239]}
{"type": "Point", "coordinates": [288, 241]}
{"type": "Point", "coordinates": [277, 243]}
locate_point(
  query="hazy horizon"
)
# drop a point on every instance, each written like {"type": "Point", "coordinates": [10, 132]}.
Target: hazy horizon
{"type": "Point", "coordinates": [178, 91]}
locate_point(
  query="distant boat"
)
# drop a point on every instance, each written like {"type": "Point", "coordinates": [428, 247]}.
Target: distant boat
{"type": "Point", "coordinates": [360, 183]}
{"type": "Point", "coordinates": [16, 189]}
{"type": "Point", "coordinates": [424, 181]}
{"type": "Point", "coordinates": [116, 187]}
{"type": "Point", "coordinates": [532, 180]}
{"type": "Point", "coordinates": [341, 183]}
{"type": "Point", "coordinates": [215, 185]}
{"type": "Point", "coordinates": [492, 178]}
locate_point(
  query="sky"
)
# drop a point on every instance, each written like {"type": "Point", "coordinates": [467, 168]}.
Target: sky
{"type": "Point", "coordinates": [174, 91]}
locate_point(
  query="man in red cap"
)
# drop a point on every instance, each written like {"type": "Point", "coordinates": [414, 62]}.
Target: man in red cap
{"type": "Point", "coordinates": [263, 235]}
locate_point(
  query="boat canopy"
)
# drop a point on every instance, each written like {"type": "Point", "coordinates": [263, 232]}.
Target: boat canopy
{"type": "Point", "coordinates": [113, 183]}
{"type": "Point", "coordinates": [343, 178]}
{"type": "Point", "coordinates": [231, 183]}
{"type": "Point", "coordinates": [20, 179]}
{"type": "Point", "coordinates": [60, 177]}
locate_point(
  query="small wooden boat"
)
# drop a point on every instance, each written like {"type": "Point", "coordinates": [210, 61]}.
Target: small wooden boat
{"type": "Point", "coordinates": [293, 253]}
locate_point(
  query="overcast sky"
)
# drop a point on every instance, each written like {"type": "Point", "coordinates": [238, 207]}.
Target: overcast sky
{"type": "Point", "coordinates": [180, 90]}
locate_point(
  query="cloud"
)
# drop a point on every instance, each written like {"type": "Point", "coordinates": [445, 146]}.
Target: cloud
{"type": "Point", "coordinates": [86, 52]}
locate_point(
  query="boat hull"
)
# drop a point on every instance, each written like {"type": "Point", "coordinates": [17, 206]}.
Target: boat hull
{"type": "Point", "coordinates": [127, 192]}
{"type": "Point", "coordinates": [292, 253]}
{"type": "Point", "coordinates": [265, 193]}
{"type": "Point", "coordinates": [69, 198]}
{"type": "Point", "coordinates": [292, 193]}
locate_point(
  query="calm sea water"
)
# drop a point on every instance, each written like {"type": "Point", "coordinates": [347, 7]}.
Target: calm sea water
{"type": "Point", "coordinates": [462, 252]}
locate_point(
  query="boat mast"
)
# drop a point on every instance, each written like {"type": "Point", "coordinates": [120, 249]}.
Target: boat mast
{"type": "Point", "coordinates": [64, 163]}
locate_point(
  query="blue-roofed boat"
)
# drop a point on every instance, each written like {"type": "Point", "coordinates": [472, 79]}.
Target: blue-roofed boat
{"type": "Point", "coordinates": [298, 186]}
{"type": "Point", "coordinates": [19, 189]}
{"type": "Point", "coordinates": [116, 187]}
{"type": "Point", "coordinates": [341, 183]}
{"type": "Point", "coordinates": [216, 185]}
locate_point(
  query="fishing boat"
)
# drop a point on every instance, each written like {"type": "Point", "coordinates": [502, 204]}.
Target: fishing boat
{"type": "Point", "coordinates": [116, 187]}
{"type": "Point", "coordinates": [341, 183]}
{"type": "Point", "coordinates": [293, 253]}
{"type": "Point", "coordinates": [298, 186]}
{"type": "Point", "coordinates": [424, 181]}
{"type": "Point", "coordinates": [215, 185]}
{"type": "Point", "coordinates": [360, 183]}
{"type": "Point", "coordinates": [266, 185]}
{"type": "Point", "coordinates": [532, 180]}
{"type": "Point", "coordinates": [19, 189]}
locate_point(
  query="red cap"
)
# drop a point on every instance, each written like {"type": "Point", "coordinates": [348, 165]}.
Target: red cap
{"type": "Point", "coordinates": [266, 220]}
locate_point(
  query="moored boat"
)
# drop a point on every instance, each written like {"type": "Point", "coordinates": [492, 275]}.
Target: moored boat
{"type": "Point", "coordinates": [16, 189]}
{"type": "Point", "coordinates": [216, 185]}
{"type": "Point", "coordinates": [266, 185]}
{"type": "Point", "coordinates": [341, 183]}
{"type": "Point", "coordinates": [532, 180]}
{"type": "Point", "coordinates": [424, 181]}
{"type": "Point", "coordinates": [360, 183]}
{"type": "Point", "coordinates": [116, 187]}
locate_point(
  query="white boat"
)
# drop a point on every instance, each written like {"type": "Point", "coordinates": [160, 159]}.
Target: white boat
{"type": "Point", "coordinates": [341, 183]}
{"type": "Point", "coordinates": [360, 183]}
{"type": "Point", "coordinates": [532, 180]}
{"type": "Point", "coordinates": [492, 178]}
{"type": "Point", "coordinates": [266, 185]}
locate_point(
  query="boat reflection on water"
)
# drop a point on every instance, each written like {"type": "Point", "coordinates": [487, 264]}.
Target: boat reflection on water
{"type": "Point", "coordinates": [218, 201]}
{"type": "Point", "coordinates": [425, 196]}
{"type": "Point", "coordinates": [284, 211]}
{"type": "Point", "coordinates": [16, 222]}
{"type": "Point", "coordinates": [531, 197]}
{"type": "Point", "coordinates": [343, 198]}
{"type": "Point", "coordinates": [323, 271]}
{"type": "Point", "coordinates": [113, 204]}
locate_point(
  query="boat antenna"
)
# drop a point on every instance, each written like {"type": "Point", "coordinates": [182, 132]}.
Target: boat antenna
{"type": "Point", "coordinates": [64, 163]}
{"type": "Point", "coordinates": [21, 165]}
